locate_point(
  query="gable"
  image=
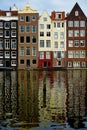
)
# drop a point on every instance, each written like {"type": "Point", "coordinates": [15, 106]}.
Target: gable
{"type": "Point", "coordinates": [76, 13]}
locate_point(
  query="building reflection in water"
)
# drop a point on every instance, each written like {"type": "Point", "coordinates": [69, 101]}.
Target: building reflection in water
{"type": "Point", "coordinates": [8, 94]}
{"type": "Point", "coordinates": [28, 96]}
{"type": "Point", "coordinates": [52, 96]}
{"type": "Point", "coordinates": [44, 96]}
{"type": "Point", "coordinates": [76, 97]}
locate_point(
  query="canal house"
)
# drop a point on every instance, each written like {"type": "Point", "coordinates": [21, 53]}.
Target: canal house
{"type": "Point", "coordinates": [76, 38]}
{"type": "Point", "coordinates": [58, 38]}
{"type": "Point", "coordinates": [45, 54]}
{"type": "Point", "coordinates": [27, 38]}
{"type": "Point", "coordinates": [8, 37]}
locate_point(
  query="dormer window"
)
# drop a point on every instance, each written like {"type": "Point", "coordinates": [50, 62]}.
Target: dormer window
{"type": "Point", "coordinates": [58, 15]}
{"type": "Point", "coordinates": [76, 13]}
{"type": "Point", "coordinates": [8, 14]}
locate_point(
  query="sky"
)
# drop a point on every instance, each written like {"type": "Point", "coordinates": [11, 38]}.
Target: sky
{"type": "Point", "coordinates": [49, 5]}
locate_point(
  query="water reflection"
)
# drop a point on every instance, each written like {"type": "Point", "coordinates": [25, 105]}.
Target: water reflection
{"type": "Point", "coordinates": [31, 97]}
{"type": "Point", "coordinates": [76, 97]}
{"type": "Point", "coordinates": [8, 94]}
{"type": "Point", "coordinates": [52, 96]}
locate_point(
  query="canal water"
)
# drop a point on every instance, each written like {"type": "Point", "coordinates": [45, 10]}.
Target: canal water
{"type": "Point", "coordinates": [30, 99]}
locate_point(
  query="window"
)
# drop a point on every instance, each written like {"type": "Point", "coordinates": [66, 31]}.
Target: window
{"type": "Point", "coordinates": [76, 13]}
{"type": "Point", "coordinates": [1, 62]}
{"type": "Point", "coordinates": [7, 33]}
{"type": "Point", "coordinates": [69, 64]}
{"type": "Point", "coordinates": [13, 33]}
{"type": "Point", "coordinates": [45, 19]}
{"type": "Point", "coordinates": [21, 18]}
{"type": "Point", "coordinates": [82, 23]}
{"type": "Point", "coordinates": [41, 34]}
{"type": "Point", "coordinates": [82, 54]}
{"type": "Point", "coordinates": [59, 54]}
{"type": "Point", "coordinates": [13, 44]}
{"type": "Point", "coordinates": [7, 54]}
{"type": "Point", "coordinates": [27, 39]}
{"type": "Point", "coordinates": [34, 28]}
{"type": "Point", "coordinates": [1, 33]}
{"type": "Point", "coordinates": [56, 44]}
{"type": "Point", "coordinates": [41, 43]}
{"type": "Point", "coordinates": [70, 33]}
{"type": "Point", "coordinates": [1, 54]}
{"type": "Point", "coordinates": [55, 35]}
{"type": "Point", "coordinates": [21, 51]}
{"type": "Point", "coordinates": [1, 43]}
{"type": "Point", "coordinates": [62, 35]}
{"type": "Point", "coordinates": [82, 43]}
{"type": "Point", "coordinates": [48, 26]}
{"type": "Point", "coordinates": [83, 64]}
{"type": "Point", "coordinates": [13, 24]}
{"type": "Point", "coordinates": [27, 28]}
{"type": "Point", "coordinates": [48, 43]}
{"type": "Point", "coordinates": [58, 16]}
{"type": "Point", "coordinates": [76, 33]}
{"type": "Point", "coordinates": [21, 61]}
{"type": "Point", "coordinates": [27, 50]}
{"type": "Point", "coordinates": [76, 64]}
{"type": "Point", "coordinates": [59, 63]}
{"type": "Point", "coordinates": [21, 39]}
{"type": "Point", "coordinates": [34, 61]}
{"type": "Point", "coordinates": [76, 23]}
{"type": "Point", "coordinates": [7, 43]}
{"type": "Point", "coordinates": [48, 34]}
{"type": "Point", "coordinates": [62, 24]}
{"type": "Point", "coordinates": [7, 25]}
{"type": "Point", "coordinates": [61, 44]}
{"type": "Point", "coordinates": [13, 63]}
{"type": "Point", "coordinates": [54, 25]}
{"type": "Point", "coordinates": [27, 18]}
{"type": "Point", "coordinates": [82, 33]}
{"type": "Point", "coordinates": [76, 54]}
{"type": "Point", "coordinates": [47, 55]}
{"type": "Point", "coordinates": [1, 24]}
{"type": "Point", "coordinates": [70, 23]}
{"type": "Point", "coordinates": [21, 28]}
{"type": "Point", "coordinates": [34, 39]}
{"type": "Point", "coordinates": [33, 18]}
{"type": "Point", "coordinates": [76, 43]}
{"type": "Point", "coordinates": [41, 55]}
{"type": "Point", "coordinates": [70, 54]}
{"type": "Point", "coordinates": [70, 43]}
{"type": "Point", "coordinates": [13, 54]}
{"type": "Point", "coordinates": [58, 25]}
{"type": "Point", "coordinates": [62, 54]}
{"type": "Point", "coordinates": [34, 51]}
{"type": "Point", "coordinates": [41, 26]}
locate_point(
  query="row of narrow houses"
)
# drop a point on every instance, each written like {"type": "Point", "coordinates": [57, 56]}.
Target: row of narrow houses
{"type": "Point", "coordinates": [30, 40]}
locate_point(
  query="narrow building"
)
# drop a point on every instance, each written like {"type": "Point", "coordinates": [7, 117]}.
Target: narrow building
{"type": "Point", "coordinates": [45, 41]}
{"type": "Point", "coordinates": [76, 38]}
{"type": "Point", "coordinates": [27, 38]}
{"type": "Point", "coordinates": [8, 38]}
{"type": "Point", "coordinates": [58, 38]}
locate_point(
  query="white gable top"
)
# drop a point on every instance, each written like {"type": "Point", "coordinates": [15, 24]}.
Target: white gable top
{"type": "Point", "coordinates": [14, 8]}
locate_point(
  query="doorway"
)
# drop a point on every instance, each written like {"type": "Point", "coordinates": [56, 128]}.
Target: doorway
{"type": "Point", "coordinates": [45, 64]}
{"type": "Point", "coordinates": [28, 63]}
{"type": "Point", "coordinates": [7, 63]}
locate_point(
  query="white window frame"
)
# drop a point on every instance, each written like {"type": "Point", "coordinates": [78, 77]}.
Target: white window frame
{"type": "Point", "coordinates": [13, 43]}
{"type": "Point", "coordinates": [7, 54]}
{"type": "Point", "coordinates": [13, 33]}
{"type": "Point", "coordinates": [13, 54]}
